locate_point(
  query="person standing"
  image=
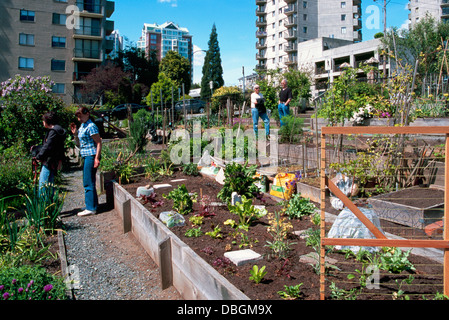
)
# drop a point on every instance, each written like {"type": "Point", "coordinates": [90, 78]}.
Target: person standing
{"type": "Point", "coordinates": [89, 142]}
{"type": "Point", "coordinates": [51, 153]}
{"type": "Point", "coordinates": [285, 97]}
{"type": "Point", "coordinates": [258, 109]}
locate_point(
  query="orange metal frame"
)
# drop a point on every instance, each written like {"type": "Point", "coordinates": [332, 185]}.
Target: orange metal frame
{"type": "Point", "coordinates": [381, 240]}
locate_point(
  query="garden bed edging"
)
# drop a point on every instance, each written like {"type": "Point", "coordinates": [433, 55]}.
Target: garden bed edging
{"type": "Point", "coordinates": [193, 277]}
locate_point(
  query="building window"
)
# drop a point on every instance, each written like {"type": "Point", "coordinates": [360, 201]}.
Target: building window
{"type": "Point", "coordinates": [343, 5]}
{"type": "Point", "coordinates": [343, 17]}
{"type": "Point", "coordinates": [59, 18]}
{"type": "Point", "coordinates": [59, 88]}
{"type": "Point", "coordinates": [304, 4]}
{"type": "Point", "coordinates": [26, 39]}
{"type": "Point", "coordinates": [26, 63]}
{"type": "Point", "coordinates": [304, 17]}
{"type": "Point", "coordinates": [27, 15]}
{"type": "Point", "coordinates": [58, 42]}
{"type": "Point", "coordinates": [304, 30]}
{"type": "Point", "coordinates": [57, 65]}
{"type": "Point", "coordinates": [343, 30]}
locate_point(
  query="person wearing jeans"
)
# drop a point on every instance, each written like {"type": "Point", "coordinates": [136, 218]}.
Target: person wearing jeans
{"type": "Point", "coordinates": [89, 142]}
{"type": "Point", "coordinates": [51, 153]}
{"type": "Point", "coordinates": [256, 113]}
{"type": "Point", "coordinates": [285, 96]}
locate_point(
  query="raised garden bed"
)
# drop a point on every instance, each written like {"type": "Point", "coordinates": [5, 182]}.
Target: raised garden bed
{"type": "Point", "coordinates": [210, 269]}
{"type": "Point", "coordinates": [414, 207]}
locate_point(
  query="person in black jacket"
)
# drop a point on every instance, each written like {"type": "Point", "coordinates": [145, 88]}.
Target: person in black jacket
{"type": "Point", "coordinates": [51, 153]}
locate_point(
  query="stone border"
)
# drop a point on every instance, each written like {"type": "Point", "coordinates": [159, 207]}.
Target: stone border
{"type": "Point", "coordinates": [179, 265]}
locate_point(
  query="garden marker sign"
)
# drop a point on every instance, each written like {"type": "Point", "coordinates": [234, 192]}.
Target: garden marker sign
{"type": "Point", "coordinates": [380, 239]}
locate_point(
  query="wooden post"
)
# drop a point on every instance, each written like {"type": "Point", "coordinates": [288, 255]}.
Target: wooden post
{"type": "Point", "coordinates": [126, 216]}
{"type": "Point", "coordinates": [165, 263]}
{"type": "Point", "coordinates": [446, 221]}
{"type": "Point", "coordinates": [323, 216]}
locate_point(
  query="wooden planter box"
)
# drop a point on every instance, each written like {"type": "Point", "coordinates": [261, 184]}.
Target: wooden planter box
{"type": "Point", "coordinates": [179, 265]}
{"type": "Point", "coordinates": [408, 215]}
{"type": "Point", "coordinates": [308, 191]}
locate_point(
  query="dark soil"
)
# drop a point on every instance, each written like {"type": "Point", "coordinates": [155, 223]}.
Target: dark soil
{"type": "Point", "coordinates": [281, 272]}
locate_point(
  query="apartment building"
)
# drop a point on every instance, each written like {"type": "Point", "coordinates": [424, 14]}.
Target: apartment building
{"type": "Point", "coordinates": [439, 9]}
{"type": "Point", "coordinates": [283, 24]}
{"type": "Point", "coordinates": [327, 58]}
{"type": "Point", "coordinates": [63, 39]}
{"type": "Point", "coordinates": [167, 37]}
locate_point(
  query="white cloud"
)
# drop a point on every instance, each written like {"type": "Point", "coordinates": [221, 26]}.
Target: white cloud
{"type": "Point", "coordinates": [174, 3]}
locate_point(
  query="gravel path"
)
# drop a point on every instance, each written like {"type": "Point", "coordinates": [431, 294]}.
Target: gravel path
{"type": "Point", "coordinates": [111, 265]}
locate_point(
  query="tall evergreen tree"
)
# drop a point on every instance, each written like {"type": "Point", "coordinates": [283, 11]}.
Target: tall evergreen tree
{"type": "Point", "coordinates": [212, 69]}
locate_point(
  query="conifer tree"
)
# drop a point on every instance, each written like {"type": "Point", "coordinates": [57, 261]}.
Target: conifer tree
{"type": "Point", "coordinates": [212, 69]}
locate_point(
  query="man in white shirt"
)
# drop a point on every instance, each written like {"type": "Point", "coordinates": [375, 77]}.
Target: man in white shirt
{"type": "Point", "coordinates": [258, 109]}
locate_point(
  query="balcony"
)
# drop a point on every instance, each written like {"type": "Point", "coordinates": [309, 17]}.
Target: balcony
{"type": "Point", "coordinates": [110, 8]}
{"type": "Point", "coordinates": [260, 45]}
{"type": "Point", "coordinates": [289, 23]}
{"type": "Point", "coordinates": [93, 55]}
{"type": "Point", "coordinates": [87, 32]}
{"type": "Point", "coordinates": [291, 9]}
{"type": "Point", "coordinates": [291, 60]}
{"type": "Point", "coordinates": [261, 67]}
{"type": "Point", "coordinates": [261, 34]}
{"type": "Point", "coordinates": [108, 27]}
{"type": "Point", "coordinates": [261, 2]}
{"type": "Point", "coordinates": [261, 22]}
{"type": "Point", "coordinates": [357, 24]}
{"type": "Point", "coordinates": [261, 56]}
{"type": "Point", "coordinates": [290, 1]}
{"type": "Point", "coordinates": [89, 6]}
{"type": "Point", "coordinates": [291, 34]}
{"type": "Point", "coordinates": [291, 47]}
{"type": "Point", "coordinates": [260, 11]}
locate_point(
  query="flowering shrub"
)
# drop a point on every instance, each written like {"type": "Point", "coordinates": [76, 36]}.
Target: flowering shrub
{"type": "Point", "coordinates": [23, 101]}
{"type": "Point", "coordinates": [363, 113]}
{"type": "Point", "coordinates": [30, 283]}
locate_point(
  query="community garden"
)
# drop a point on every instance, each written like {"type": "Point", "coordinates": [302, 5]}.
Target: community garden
{"type": "Point", "coordinates": [338, 209]}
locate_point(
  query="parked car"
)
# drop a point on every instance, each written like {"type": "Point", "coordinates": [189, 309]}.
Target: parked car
{"type": "Point", "coordinates": [120, 112]}
{"type": "Point", "coordinates": [195, 105]}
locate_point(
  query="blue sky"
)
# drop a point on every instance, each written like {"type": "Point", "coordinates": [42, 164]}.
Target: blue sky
{"type": "Point", "coordinates": [235, 22]}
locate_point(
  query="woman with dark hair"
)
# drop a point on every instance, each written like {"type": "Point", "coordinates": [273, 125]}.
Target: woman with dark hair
{"type": "Point", "coordinates": [89, 141]}
{"type": "Point", "coordinates": [51, 153]}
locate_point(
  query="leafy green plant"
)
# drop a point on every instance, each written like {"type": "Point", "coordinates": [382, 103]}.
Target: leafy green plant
{"type": "Point", "coordinates": [299, 207]}
{"type": "Point", "coordinates": [292, 128]}
{"type": "Point", "coordinates": [291, 292]}
{"type": "Point", "coordinates": [194, 232]}
{"type": "Point", "coordinates": [190, 169]}
{"type": "Point", "coordinates": [182, 200]}
{"type": "Point", "coordinates": [215, 233]}
{"type": "Point", "coordinates": [257, 274]}
{"type": "Point", "coordinates": [395, 260]}
{"type": "Point", "coordinates": [246, 212]}
{"type": "Point", "coordinates": [341, 294]}
{"type": "Point", "coordinates": [196, 220]}
{"type": "Point", "coordinates": [238, 178]}
{"type": "Point", "coordinates": [43, 206]}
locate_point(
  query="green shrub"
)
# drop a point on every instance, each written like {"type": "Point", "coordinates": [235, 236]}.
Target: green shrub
{"type": "Point", "coordinates": [238, 178]}
{"type": "Point", "coordinates": [291, 129]}
{"type": "Point", "coordinates": [13, 176]}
